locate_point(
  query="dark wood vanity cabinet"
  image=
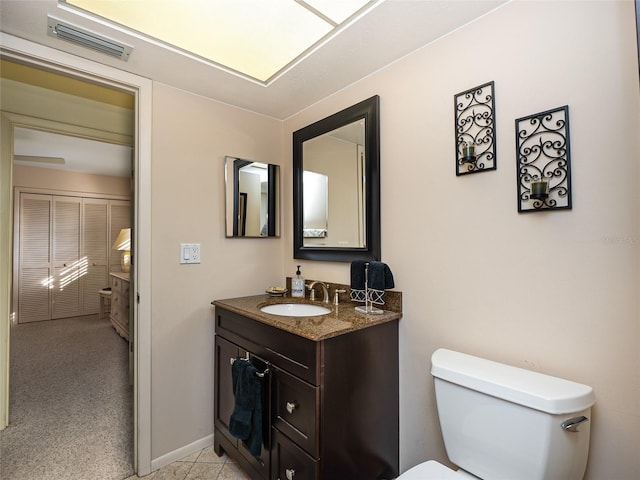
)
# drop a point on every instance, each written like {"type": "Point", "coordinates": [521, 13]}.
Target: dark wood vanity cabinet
{"type": "Point", "coordinates": [330, 406]}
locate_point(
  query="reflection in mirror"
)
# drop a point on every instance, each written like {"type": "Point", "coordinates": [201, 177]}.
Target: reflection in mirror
{"type": "Point", "coordinates": [251, 198]}
{"type": "Point", "coordinates": [337, 186]}
{"type": "Point", "coordinates": [315, 203]}
{"type": "Point", "coordinates": [338, 155]}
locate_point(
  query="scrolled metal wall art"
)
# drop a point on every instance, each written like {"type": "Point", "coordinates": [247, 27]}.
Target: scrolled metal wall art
{"type": "Point", "coordinates": [544, 161]}
{"type": "Point", "coordinates": [474, 113]}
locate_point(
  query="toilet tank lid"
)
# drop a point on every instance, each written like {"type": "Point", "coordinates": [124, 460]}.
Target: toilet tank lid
{"type": "Point", "coordinates": [532, 389]}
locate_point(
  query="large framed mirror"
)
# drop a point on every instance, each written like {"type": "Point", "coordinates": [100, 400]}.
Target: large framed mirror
{"type": "Point", "coordinates": [252, 198]}
{"type": "Point", "coordinates": [336, 186]}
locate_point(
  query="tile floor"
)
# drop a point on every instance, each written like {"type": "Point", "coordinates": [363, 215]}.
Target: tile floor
{"type": "Point", "coordinates": [202, 465]}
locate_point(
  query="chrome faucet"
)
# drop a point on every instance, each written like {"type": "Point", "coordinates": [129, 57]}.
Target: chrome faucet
{"type": "Point", "coordinates": [325, 291]}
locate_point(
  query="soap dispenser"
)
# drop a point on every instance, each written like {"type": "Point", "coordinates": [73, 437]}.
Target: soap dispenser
{"type": "Point", "coordinates": [297, 285]}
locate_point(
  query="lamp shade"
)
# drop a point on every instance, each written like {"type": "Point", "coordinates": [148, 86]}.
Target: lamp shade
{"type": "Point", "coordinates": [123, 243]}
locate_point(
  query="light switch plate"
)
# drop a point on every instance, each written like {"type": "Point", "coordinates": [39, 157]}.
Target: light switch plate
{"type": "Point", "coordinates": [189, 253]}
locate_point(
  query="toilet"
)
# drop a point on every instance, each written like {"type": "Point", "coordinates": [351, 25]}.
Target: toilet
{"type": "Point", "coordinates": [503, 422]}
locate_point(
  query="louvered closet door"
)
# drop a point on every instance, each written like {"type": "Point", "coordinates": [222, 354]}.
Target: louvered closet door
{"type": "Point", "coordinates": [95, 251]}
{"type": "Point", "coordinates": [35, 272]}
{"type": "Point", "coordinates": [68, 266]}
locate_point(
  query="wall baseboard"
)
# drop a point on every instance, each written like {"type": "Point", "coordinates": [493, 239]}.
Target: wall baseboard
{"type": "Point", "coordinates": [181, 452]}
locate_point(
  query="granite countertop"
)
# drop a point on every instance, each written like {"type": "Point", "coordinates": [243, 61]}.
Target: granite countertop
{"type": "Point", "coordinates": [342, 319]}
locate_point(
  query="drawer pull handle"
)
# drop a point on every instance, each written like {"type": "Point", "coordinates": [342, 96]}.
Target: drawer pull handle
{"type": "Point", "coordinates": [290, 408]}
{"type": "Point", "coordinates": [290, 472]}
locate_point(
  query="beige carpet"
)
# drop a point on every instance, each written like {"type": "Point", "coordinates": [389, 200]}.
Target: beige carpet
{"type": "Point", "coordinates": [71, 403]}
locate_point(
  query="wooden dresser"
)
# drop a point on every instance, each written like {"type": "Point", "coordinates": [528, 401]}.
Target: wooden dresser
{"type": "Point", "coordinates": [120, 303]}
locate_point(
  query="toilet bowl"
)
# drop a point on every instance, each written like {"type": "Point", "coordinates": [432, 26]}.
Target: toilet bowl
{"type": "Point", "coordinates": [433, 470]}
{"type": "Point", "coordinates": [504, 422]}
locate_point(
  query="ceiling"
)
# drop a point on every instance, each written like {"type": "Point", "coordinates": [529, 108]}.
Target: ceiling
{"type": "Point", "coordinates": [256, 38]}
{"type": "Point", "coordinates": [43, 149]}
{"type": "Point", "coordinates": [391, 30]}
{"type": "Point", "coordinates": [37, 77]}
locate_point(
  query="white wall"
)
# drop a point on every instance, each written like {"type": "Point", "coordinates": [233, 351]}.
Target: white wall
{"type": "Point", "coordinates": [475, 274]}
{"type": "Point", "coordinates": [191, 136]}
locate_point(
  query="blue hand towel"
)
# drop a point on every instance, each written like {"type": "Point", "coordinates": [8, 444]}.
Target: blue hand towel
{"type": "Point", "coordinates": [357, 274]}
{"type": "Point", "coordinates": [356, 292]}
{"type": "Point", "coordinates": [379, 279]}
{"type": "Point", "coordinates": [246, 419]}
{"type": "Point", "coordinates": [380, 276]}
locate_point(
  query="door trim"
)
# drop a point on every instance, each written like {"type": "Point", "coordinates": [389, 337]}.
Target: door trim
{"type": "Point", "coordinates": [46, 57]}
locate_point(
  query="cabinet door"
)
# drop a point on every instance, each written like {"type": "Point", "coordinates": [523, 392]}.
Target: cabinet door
{"type": "Point", "coordinates": [224, 400]}
{"type": "Point", "coordinates": [262, 463]}
{"type": "Point", "coordinates": [226, 351]}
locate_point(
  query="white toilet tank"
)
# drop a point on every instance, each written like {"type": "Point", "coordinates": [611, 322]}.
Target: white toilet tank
{"type": "Point", "coordinates": [503, 422]}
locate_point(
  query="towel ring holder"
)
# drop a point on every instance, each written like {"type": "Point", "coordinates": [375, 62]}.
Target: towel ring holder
{"type": "Point", "coordinates": [247, 359]}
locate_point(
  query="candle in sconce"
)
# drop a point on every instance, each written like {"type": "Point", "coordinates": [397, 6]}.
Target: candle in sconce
{"type": "Point", "coordinates": [539, 189]}
{"type": "Point", "coordinates": [468, 150]}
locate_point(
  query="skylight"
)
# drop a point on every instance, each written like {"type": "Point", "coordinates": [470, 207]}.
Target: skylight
{"type": "Point", "coordinates": [257, 38]}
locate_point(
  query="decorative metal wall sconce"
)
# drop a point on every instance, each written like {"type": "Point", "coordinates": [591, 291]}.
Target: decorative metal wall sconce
{"type": "Point", "coordinates": [474, 112]}
{"type": "Point", "coordinates": [544, 161]}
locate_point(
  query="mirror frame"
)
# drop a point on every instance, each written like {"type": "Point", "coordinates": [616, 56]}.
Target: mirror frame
{"type": "Point", "coordinates": [273, 208]}
{"type": "Point", "coordinates": [637, 2]}
{"type": "Point", "coordinates": [368, 109]}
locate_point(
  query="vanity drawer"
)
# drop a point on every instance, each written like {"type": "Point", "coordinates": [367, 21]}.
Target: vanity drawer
{"type": "Point", "coordinates": [116, 284]}
{"type": "Point", "coordinates": [295, 405]}
{"type": "Point", "coordinates": [290, 462]}
{"type": "Point", "coordinates": [298, 356]}
{"type": "Point", "coordinates": [115, 307]}
{"type": "Point", "coordinates": [119, 299]}
{"type": "Point", "coordinates": [120, 289]}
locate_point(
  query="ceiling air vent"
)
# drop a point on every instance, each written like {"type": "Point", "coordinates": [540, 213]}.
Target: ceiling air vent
{"type": "Point", "coordinates": [86, 38]}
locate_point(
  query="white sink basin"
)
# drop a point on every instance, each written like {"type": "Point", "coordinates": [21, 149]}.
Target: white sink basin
{"type": "Point", "coordinates": [295, 310]}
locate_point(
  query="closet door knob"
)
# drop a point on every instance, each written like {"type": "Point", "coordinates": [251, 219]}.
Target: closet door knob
{"type": "Point", "coordinates": [291, 407]}
{"type": "Point", "coordinates": [290, 472]}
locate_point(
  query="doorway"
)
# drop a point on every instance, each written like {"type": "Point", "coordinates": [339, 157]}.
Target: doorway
{"type": "Point", "coordinates": [70, 204]}
{"type": "Point", "coordinates": [48, 59]}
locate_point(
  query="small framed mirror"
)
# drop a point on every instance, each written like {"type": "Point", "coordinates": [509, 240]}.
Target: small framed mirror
{"type": "Point", "coordinates": [252, 198]}
{"type": "Point", "coordinates": [638, 30]}
{"type": "Point", "coordinates": [336, 186]}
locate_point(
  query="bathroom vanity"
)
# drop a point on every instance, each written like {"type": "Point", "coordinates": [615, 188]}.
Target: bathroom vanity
{"type": "Point", "coordinates": [330, 390]}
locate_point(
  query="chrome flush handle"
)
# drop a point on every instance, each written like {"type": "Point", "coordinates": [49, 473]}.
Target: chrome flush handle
{"type": "Point", "coordinates": [572, 424]}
